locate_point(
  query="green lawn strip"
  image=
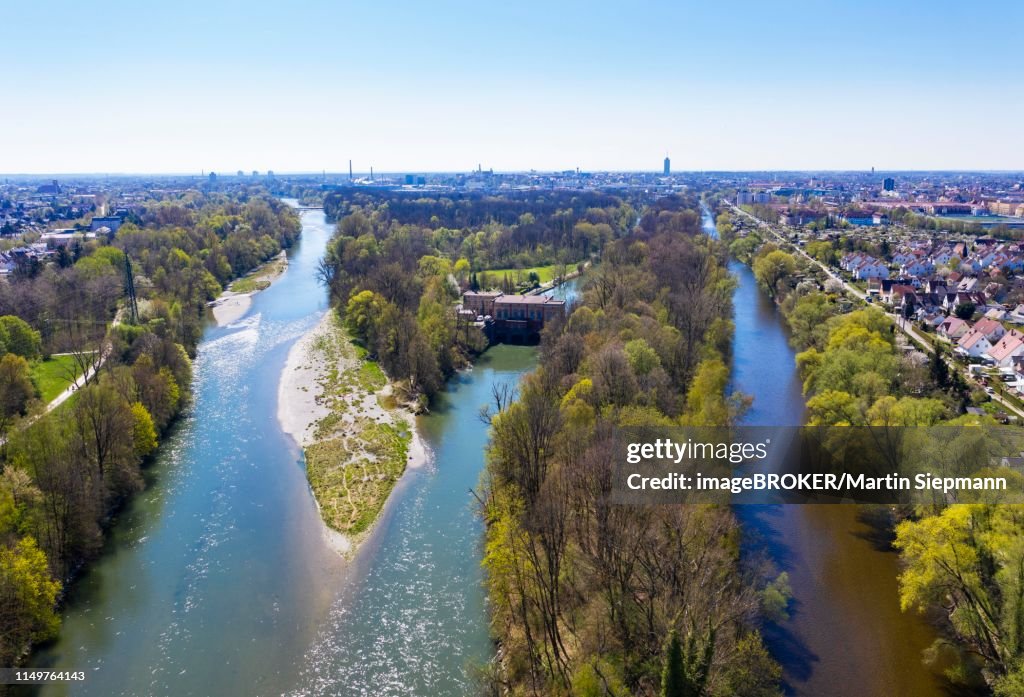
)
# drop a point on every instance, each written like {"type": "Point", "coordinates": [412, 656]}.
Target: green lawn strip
{"type": "Point", "coordinates": [259, 278]}
{"type": "Point", "coordinates": [53, 376]}
{"type": "Point", "coordinates": [546, 273]}
{"type": "Point", "coordinates": [249, 285]}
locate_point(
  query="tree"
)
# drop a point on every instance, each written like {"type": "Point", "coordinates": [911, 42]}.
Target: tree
{"type": "Point", "coordinates": [105, 425]}
{"type": "Point", "coordinates": [27, 599]}
{"type": "Point", "coordinates": [362, 313]}
{"type": "Point", "coordinates": [16, 389]}
{"type": "Point", "coordinates": [461, 270]}
{"type": "Point", "coordinates": [642, 358]}
{"type": "Point", "coordinates": [686, 671]}
{"type": "Point", "coordinates": [938, 367]}
{"type": "Point", "coordinates": [948, 562]}
{"type": "Point", "coordinates": [772, 268]}
{"type": "Point", "coordinates": [964, 310]}
{"type": "Point", "coordinates": [672, 677]}
{"type": "Point", "coordinates": [21, 339]}
{"type": "Point", "coordinates": [143, 431]}
{"type": "Point", "coordinates": [706, 404]}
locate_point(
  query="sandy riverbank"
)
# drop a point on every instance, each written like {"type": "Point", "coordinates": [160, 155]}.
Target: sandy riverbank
{"type": "Point", "coordinates": [326, 407]}
{"type": "Point", "coordinates": [231, 305]}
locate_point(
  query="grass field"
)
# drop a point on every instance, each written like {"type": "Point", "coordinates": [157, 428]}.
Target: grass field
{"type": "Point", "coordinates": [546, 273]}
{"type": "Point", "coordinates": [53, 376]}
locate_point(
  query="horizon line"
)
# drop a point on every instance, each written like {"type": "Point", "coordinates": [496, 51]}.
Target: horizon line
{"type": "Point", "coordinates": [344, 173]}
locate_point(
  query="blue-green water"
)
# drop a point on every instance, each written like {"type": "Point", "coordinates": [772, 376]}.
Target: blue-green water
{"type": "Point", "coordinates": [215, 578]}
{"type": "Point", "coordinates": [217, 581]}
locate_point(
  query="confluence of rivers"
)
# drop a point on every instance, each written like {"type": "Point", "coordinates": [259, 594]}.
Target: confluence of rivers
{"type": "Point", "coordinates": [217, 581]}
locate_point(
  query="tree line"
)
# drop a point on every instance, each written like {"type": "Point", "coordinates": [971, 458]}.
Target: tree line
{"type": "Point", "coordinates": [65, 472]}
{"type": "Point", "coordinates": [590, 598]}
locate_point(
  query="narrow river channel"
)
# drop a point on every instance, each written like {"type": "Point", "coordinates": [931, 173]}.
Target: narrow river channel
{"type": "Point", "coordinates": [846, 636]}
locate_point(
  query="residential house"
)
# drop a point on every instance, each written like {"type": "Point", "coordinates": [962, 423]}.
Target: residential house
{"type": "Point", "coordinates": [1009, 347]}
{"type": "Point", "coordinates": [953, 328]}
{"type": "Point", "coordinates": [973, 344]}
{"type": "Point", "coordinates": [993, 330]}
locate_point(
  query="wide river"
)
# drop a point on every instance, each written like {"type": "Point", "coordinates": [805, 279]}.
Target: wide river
{"type": "Point", "coordinates": [216, 580]}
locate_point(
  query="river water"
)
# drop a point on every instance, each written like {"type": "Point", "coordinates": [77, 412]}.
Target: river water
{"type": "Point", "coordinates": [213, 579]}
{"type": "Point", "coordinates": [846, 635]}
{"type": "Point", "coordinates": [216, 580]}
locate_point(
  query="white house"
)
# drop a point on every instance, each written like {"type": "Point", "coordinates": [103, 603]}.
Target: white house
{"type": "Point", "coordinates": [973, 344]}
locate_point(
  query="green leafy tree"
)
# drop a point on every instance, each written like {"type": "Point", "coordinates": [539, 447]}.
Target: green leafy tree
{"type": "Point", "coordinates": [143, 431]}
{"type": "Point", "coordinates": [21, 339]}
{"type": "Point", "coordinates": [964, 310]}
{"type": "Point", "coordinates": [772, 268]}
{"type": "Point", "coordinates": [686, 669]}
{"type": "Point", "coordinates": [16, 389]}
{"type": "Point", "coordinates": [27, 599]}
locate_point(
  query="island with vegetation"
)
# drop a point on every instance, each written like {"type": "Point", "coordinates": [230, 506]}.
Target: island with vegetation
{"type": "Point", "coordinates": [395, 270]}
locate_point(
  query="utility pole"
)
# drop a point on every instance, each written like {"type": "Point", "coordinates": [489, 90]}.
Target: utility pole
{"type": "Point", "coordinates": [129, 287]}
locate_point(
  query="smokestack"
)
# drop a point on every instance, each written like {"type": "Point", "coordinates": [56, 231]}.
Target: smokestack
{"type": "Point", "coordinates": [350, 170]}
{"type": "Point", "coordinates": [371, 172]}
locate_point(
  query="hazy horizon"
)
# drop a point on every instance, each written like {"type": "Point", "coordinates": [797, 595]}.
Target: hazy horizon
{"type": "Point", "coordinates": [383, 173]}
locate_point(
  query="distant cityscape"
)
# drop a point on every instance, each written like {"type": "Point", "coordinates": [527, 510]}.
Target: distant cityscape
{"type": "Point", "coordinates": [49, 212]}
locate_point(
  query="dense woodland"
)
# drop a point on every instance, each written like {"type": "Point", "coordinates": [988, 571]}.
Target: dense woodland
{"type": "Point", "coordinates": [962, 562]}
{"type": "Point", "coordinates": [595, 599]}
{"type": "Point", "coordinates": [66, 471]}
{"type": "Point", "coordinates": [514, 230]}
{"type": "Point", "coordinates": [397, 265]}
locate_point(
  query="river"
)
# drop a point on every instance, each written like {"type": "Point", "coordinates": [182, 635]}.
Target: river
{"type": "Point", "coordinates": [213, 579]}
{"type": "Point", "coordinates": [216, 580]}
{"type": "Point", "coordinates": [846, 635]}
{"type": "Point", "coordinates": [412, 619]}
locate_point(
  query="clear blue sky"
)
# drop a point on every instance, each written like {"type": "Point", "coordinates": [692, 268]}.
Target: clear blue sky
{"type": "Point", "coordinates": [304, 85]}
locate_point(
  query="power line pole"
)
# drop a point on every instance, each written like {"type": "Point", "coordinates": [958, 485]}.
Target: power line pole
{"type": "Point", "coordinates": [129, 287]}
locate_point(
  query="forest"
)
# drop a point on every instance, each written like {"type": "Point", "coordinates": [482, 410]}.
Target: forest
{"type": "Point", "coordinates": [68, 470]}
{"type": "Point", "coordinates": [963, 562]}
{"type": "Point", "coordinates": [590, 598]}
{"type": "Point", "coordinates": [398, 264]}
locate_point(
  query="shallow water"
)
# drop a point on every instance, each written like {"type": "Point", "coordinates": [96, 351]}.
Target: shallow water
{"type": "Point", "coordinates": [214, 578]}
{"type": "Point", "coordinates": [412, 619]}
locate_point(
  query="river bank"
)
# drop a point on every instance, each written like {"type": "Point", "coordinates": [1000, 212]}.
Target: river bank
{"type": "Point", "coordinates": [357, 441]}
{"type": "Point", "coordinates": [232, 304]}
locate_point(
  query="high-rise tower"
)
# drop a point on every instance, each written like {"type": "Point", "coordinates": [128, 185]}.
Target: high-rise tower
{"type": "Point", "coordinates": [668, 168]}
